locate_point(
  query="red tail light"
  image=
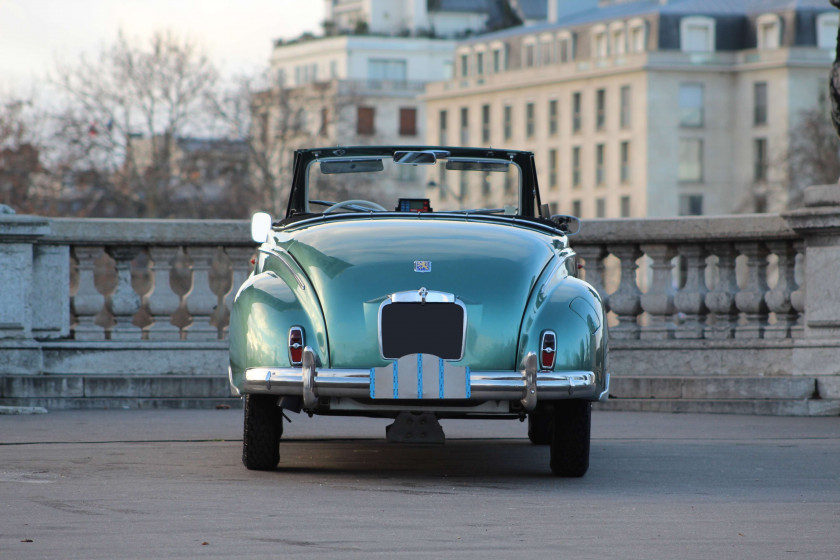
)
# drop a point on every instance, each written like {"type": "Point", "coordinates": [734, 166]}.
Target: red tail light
{"type": "Point", "coordinates": [296, 342]}
{"type": "Point", "coordinates": [548, 349]}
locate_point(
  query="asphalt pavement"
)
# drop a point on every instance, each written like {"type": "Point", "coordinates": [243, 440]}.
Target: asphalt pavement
{"type": "Point", "coordinates": [170, 484]}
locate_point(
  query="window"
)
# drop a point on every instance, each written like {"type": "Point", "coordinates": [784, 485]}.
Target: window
{"type": "Point", "coordinates": [546, 49]}
{"type": "Point", "coordinates": [576, 208]}
{"type": "Point", "coordinates": [497, 60]}
{"type": "Point", "coordinates": [691, 105]}
{"type": "Point", "coordinates": [697, 34]}
{"type": "Point", "coordinates": [408, 121]}
{"type": "Point", "coordinates": [625, 107]}
{"type": "Point", "coordinates": [485, 124]}
{"type": "Point", "coordinates": [576, 166]}
{"type": "Point", "coordinates": [760, 159]}
{"type": "Point", "coordinates": [529, 120]}
{"type": "Point", "coordinates": [442, 129]}
{"type": "Point", "coordinates": [690, 166]}
{"type": "Point", "coordinates": [393, 70]}
{"type": "Point", "coordinates": [552, 168]}
{"type": "Point", "coordinates": [479, 63]}
{"type": "Point", "coordinates": [827, 30]}
{"type": "Point", "coordinates": [565, 47]}
{"type": "Point", "coordinates": [625, 206]}
{"type": "Point", "coordinates": [465, 127]}
{"type": "Point", "coordinates": [528, 62]}
{"type": "Point", "coordinates": [599, 164]}
{"type": "Point", "coordinates": [364, 121]}
{"type": "Point", "coordinates": [691, 205]}
{"type": "Point", "coordinates": [600, 208]}
{"type": "Point", "coordinates": [760, 103]}
{"type": "Point", "coordinates": [508, 126]}
{"type": "Point", "coordinates": [638, 35]}
{"type": "Point", "coordinates": [600, 42]}
{"type": "Point", "coordinates": [768, 31]}
{"type": "Point", "coordinates": [465, 65]}
{"type": "Point", "coordinates": [618, 38]}
{"type": "Point", "coordinates": [576, 112]}
{"type": "Point", "coordinates": [624, 172]}
{"type": "Point", "coordinates": [553, 118]}
{"type": "Point", "coordinates": [600, 108]}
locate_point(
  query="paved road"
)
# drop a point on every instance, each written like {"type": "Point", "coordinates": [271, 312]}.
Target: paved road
{"type": "Point", "coordinates": [170, 484]}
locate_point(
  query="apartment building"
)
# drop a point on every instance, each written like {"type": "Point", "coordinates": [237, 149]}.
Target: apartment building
{"type": "Point", "coordinates": [645, 107]}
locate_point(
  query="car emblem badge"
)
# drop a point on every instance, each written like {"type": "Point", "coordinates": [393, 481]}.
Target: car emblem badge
{"type": "Point", "coordinates": [422, 266]}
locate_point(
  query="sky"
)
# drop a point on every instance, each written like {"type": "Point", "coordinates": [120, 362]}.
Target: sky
{"type": "Point", "coordinates": [237, 34]}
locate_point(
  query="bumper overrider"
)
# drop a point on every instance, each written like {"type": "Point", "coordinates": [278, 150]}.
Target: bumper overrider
{"type": "Point", "coordinates": [422, 376]}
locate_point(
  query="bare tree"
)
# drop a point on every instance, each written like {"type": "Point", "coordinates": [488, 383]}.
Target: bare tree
{"type": "Point", "coordinates": [274, 121]}
{"type": "Point", "coordinates": [813, 154]}
{"type": "Point", "coordinates": [126, 109]}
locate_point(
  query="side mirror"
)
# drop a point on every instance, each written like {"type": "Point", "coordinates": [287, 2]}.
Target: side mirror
{"type": "Point", "coordinates": [570, 225]}
{"type": "Point", "coordinates": [260, 227]}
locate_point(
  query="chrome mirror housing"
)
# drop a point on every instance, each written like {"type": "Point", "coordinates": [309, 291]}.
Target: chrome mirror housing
{"type": "Point", "coordinates": [260, 227]}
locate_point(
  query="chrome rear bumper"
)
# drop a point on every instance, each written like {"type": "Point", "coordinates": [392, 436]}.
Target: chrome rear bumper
{"type": "Point", "coordinates": [527, 386]}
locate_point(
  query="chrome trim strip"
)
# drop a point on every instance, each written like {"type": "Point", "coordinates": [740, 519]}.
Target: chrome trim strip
{"type": "Point", "coordinates": [357, 383]}
{"type": "Point", "coordinates": [278, 255]}
{"type": "Point", "coordinates": [529, 377]}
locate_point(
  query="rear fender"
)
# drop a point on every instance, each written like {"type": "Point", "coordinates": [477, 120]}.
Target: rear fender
{"type": "Point", "coordinates": [574, 311]}
{"type": "Point", "coordinates": [267, 305]}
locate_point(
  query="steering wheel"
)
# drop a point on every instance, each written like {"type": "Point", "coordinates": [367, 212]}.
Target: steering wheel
{"type": "Point", "coordinates": [358, 202]}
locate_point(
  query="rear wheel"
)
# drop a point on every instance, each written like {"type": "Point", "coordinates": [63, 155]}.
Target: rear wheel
{"type": "Point", "coordinates": [262, 431]}
{"type": "Point", "coordinates": [570, 438]}
{"type": "Point", "coordinates": [539, 427]}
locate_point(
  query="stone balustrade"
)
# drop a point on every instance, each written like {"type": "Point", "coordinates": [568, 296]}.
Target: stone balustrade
{"type": "Point", "coordinates": [720, 314]}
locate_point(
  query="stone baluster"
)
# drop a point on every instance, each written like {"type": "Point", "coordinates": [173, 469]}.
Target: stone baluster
{"type": "Point", "coordinates": [593, 269]}
{"type": "Point", "coordinates": [163, 301]}
{"type": "Point", "coordinates": [658, 302]}
{"type": "Point", "coordinates": [750, 300]}
{"type": "Point", "coordinates": [779, 298]}
{"type": "Point", "coordinates": [201, 301]}
{"type": "Point", "coordinates": [241, 266]}
{"type": "Point", "coordinates": [87, 302]}
{"type": "Point", "coordinates": [721, 300]}
{"type": "Point", "coordinates": [124, 301]}
{"type": "Point", "coordinates": [690, 300]}
{"type": "Point", "coordinates": [797, 297]}
{"type": "Point", "coordinates": [625, 302]}
{"type": "Point", "coordinates": [222, 284]}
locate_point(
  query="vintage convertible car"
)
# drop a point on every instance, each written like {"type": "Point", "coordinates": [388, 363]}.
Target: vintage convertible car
{"type": "Point", "coordinates": [418, 283]}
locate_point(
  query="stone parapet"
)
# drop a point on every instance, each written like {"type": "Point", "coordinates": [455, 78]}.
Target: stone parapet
{"type": "Point", "coordinates": [736, 314]}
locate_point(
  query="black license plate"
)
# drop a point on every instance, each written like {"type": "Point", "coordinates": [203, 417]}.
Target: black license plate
{"type": "Point", "coordinates": [422, 328]}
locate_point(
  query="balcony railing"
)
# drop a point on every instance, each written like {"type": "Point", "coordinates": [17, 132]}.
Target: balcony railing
{"type": "Point", "coordinates": [727, 314]}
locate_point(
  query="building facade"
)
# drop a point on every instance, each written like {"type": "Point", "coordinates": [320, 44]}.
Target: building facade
{"type": "Point", "coordinates": [646, 108]}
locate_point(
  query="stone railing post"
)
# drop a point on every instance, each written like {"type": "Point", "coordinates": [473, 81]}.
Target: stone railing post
{"type": "Point", "coordinates": [626, 300]}
{"type": "Point", "coordinates": [750, 300]}
{"type": "Point", "coordinates": [658, 302]}
{"type": "Point", "coordinates": [779, 298]}
{"type": "Point", "coordinates": [691, 298]}
{"type": "Point", "coordinates": [201, 301]}
{"type": "Point", "coordinates": [124, 301]}
{"type": "Point", "coordinates": [18, 234]}
{"type": "Point", "coordinates": [721, 300]}
{"type": "Point", "coordinates": [819, 224]}
{"type": "Point", "coordinates": [593, 269]}
{"type": "Point", "coordinates": [163, 301]}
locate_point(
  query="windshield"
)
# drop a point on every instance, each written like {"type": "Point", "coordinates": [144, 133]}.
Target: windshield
{"type": "Point", "coordinates": [446, 183]}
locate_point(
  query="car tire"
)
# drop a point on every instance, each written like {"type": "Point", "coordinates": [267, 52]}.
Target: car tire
{"type": "Point", "coordinates": [570, 438]}
{"type": "Point", "coordinates": [539, 427]}
{"type": "Point", "coordinates": [263, 428]}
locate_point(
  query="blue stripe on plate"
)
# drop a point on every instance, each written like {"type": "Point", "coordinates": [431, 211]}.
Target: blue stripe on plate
{"type": "Point", "coordinates": [468, 382]}
{"type": "Point", "coordinates": [440, 379]}
{"type": "Point", "coordinates": [419, 376]}
{"type": "Point", "coordinates": [396, 380]}
{"type": "Point", "coordinates": [372, 383]}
